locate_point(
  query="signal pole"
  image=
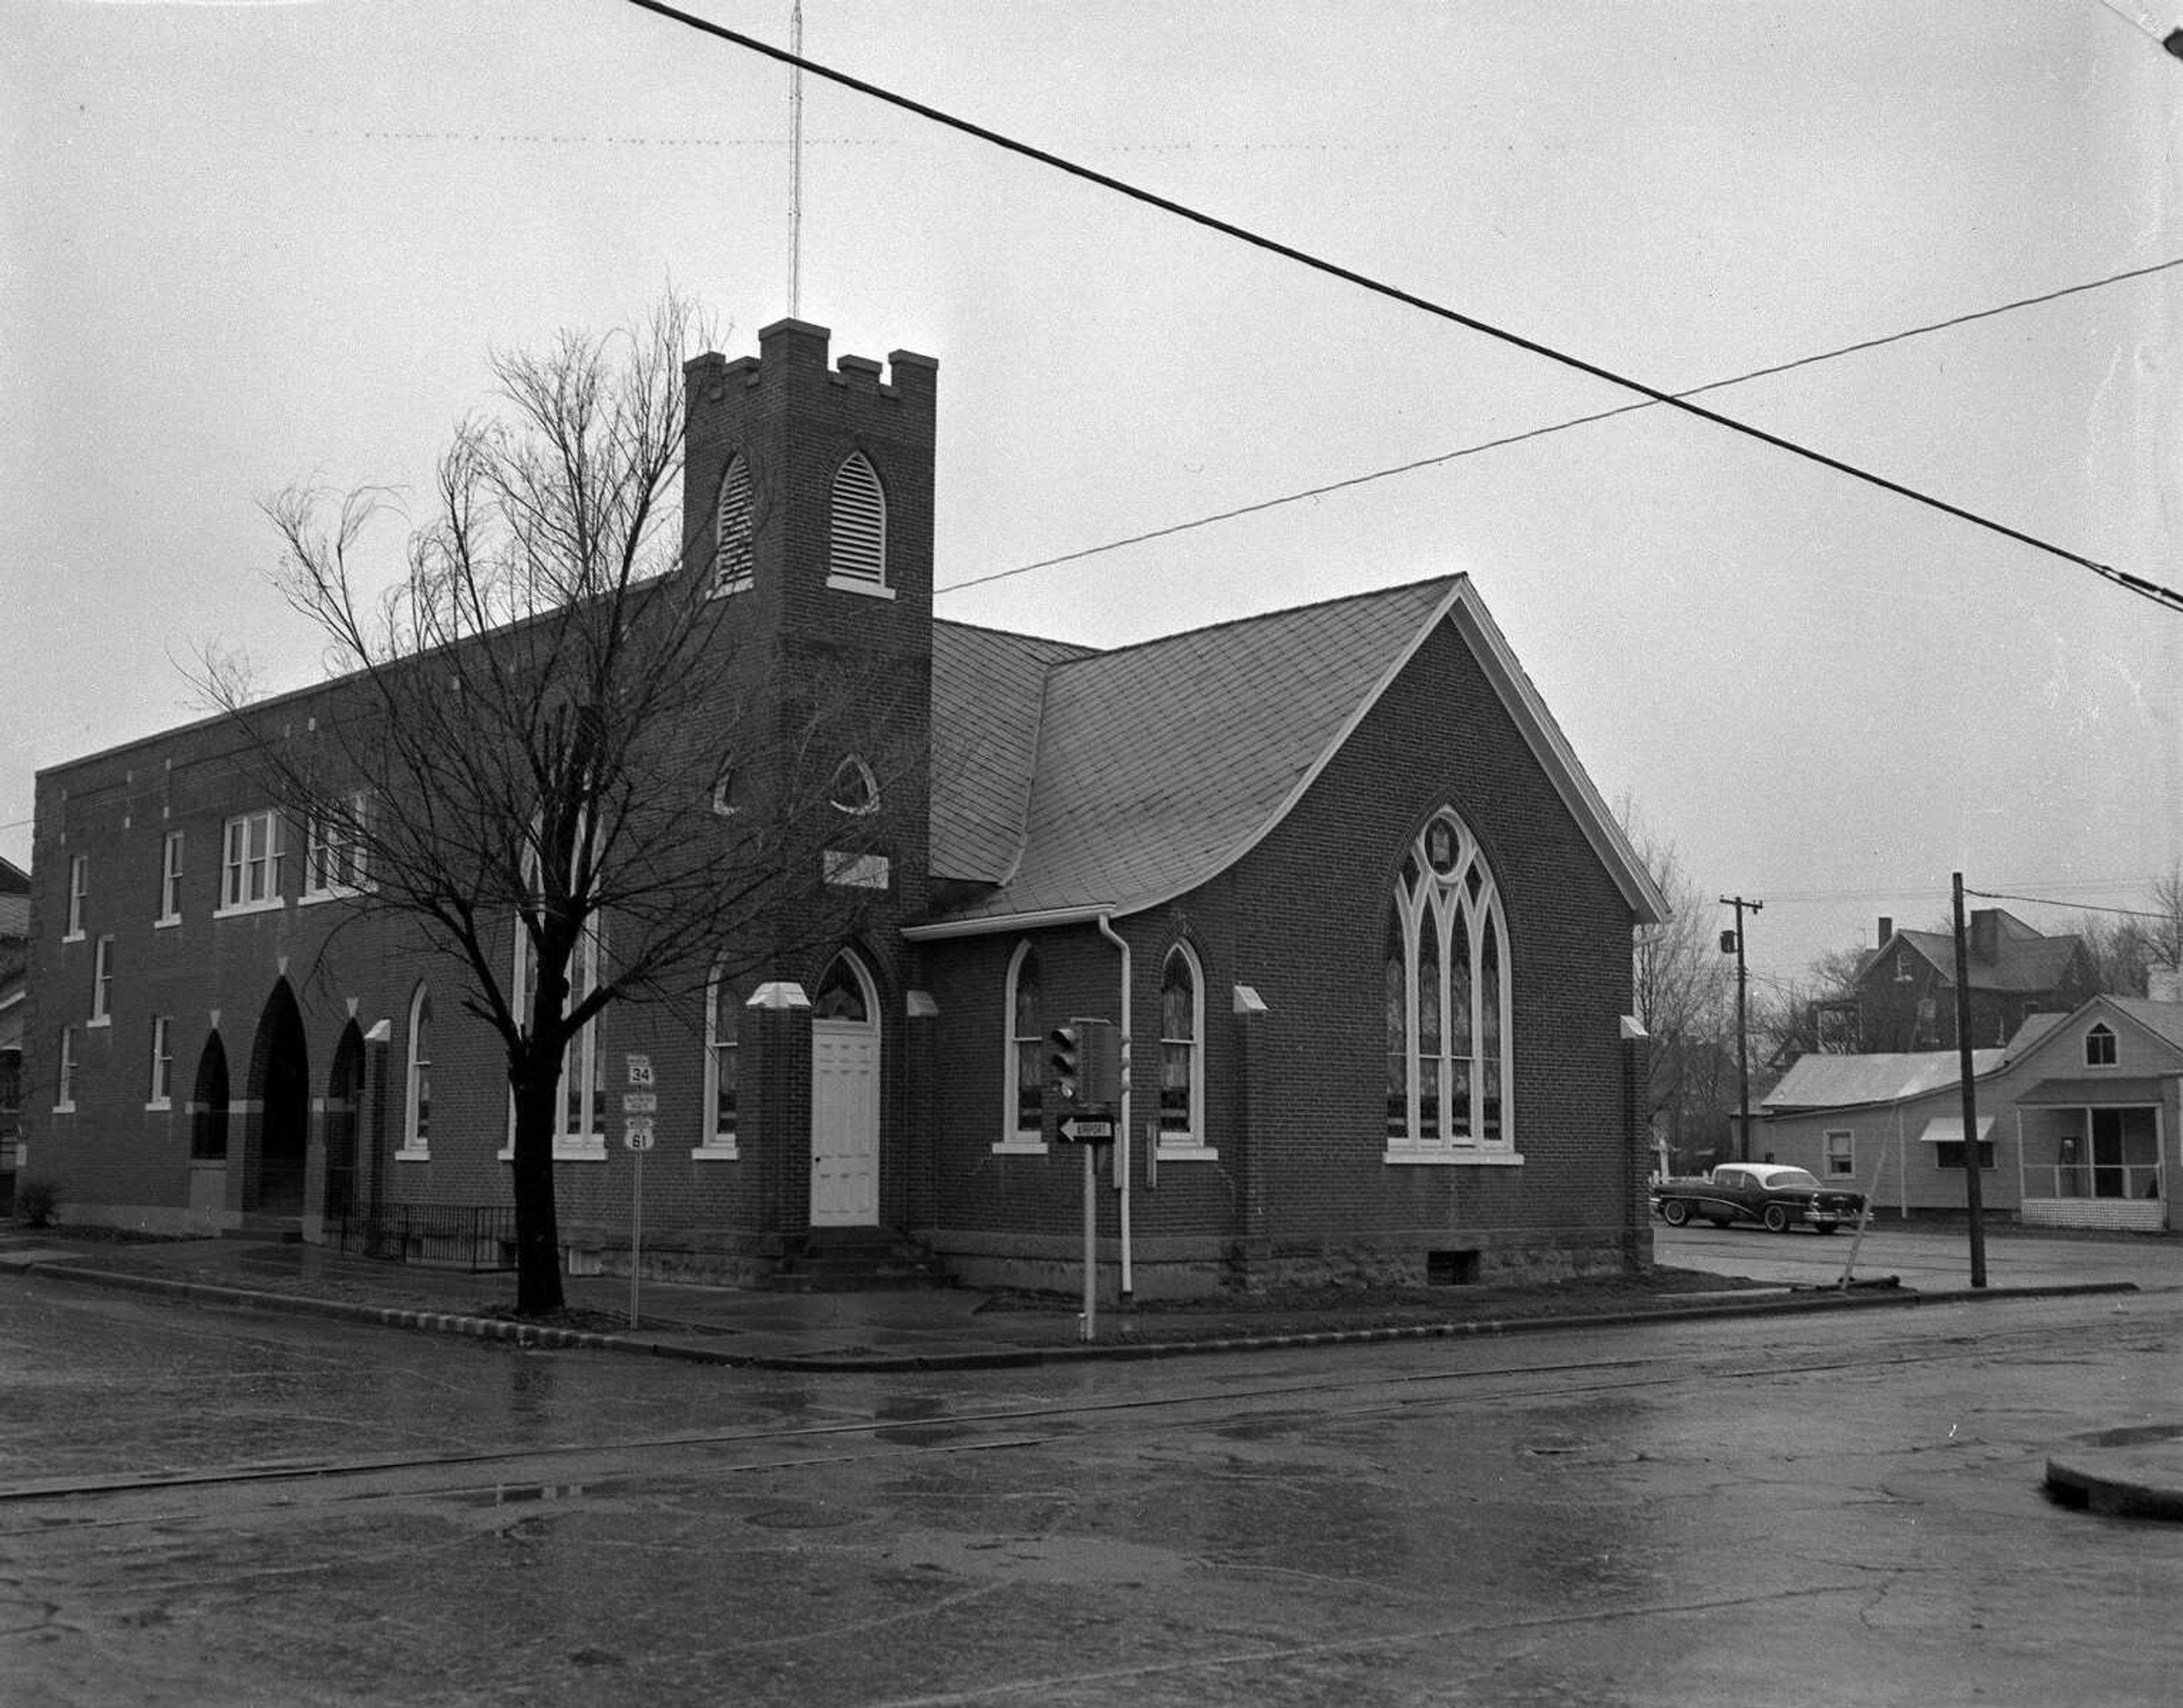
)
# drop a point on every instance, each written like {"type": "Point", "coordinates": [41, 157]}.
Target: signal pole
{"type": "Point", "coordinates": [1742, 1027]}
{"type": "Point", "coordinates": [1974, 1188]}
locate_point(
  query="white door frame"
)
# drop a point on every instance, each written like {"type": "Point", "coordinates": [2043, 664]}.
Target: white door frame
{"type": "Point", "coordinates": [845, 1111]}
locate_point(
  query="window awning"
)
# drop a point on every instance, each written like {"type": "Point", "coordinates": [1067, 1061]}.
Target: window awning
{"type": "Point", "coordinates": [1948, 1129]}
{"type": "Point", "coordinates": [2091, 1093]}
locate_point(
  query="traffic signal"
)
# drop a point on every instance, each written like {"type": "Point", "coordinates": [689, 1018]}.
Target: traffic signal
{"type": "Point", "coordinates": [1061, 1048]}
{"type": "Point", "coordinates": [1102, 1054]}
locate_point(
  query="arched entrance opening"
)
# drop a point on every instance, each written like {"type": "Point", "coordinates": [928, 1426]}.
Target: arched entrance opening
{"type": "Point", "coordinates": [845, 1096]}
{"type": "Point", "coordinates": [344, 1102]}
{"type": "Point", "coordinates": [280, 1103]}
{"type": "Point", "coordinates": [209, 1104]}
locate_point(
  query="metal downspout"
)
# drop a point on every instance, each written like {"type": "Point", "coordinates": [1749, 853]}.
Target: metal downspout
{"type": "Point", "coordinates": [1123, 1135]}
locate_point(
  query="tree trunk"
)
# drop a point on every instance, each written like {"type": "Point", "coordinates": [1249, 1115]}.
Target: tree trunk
{"type": "Point", "coordinates": [537, 1222]}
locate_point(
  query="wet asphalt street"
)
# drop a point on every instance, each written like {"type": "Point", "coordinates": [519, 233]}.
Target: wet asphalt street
{"type": "Point", "coordinates": [200, 1507]}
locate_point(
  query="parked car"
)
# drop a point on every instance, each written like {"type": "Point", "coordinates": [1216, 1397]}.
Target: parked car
{"type": "Point", "coordinates": [1772, 1194]}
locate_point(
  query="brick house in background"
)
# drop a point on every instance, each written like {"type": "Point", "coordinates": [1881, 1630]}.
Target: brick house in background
{"type": "Point", "coordinates": [1904, 995]}
{"type": "Point", "coordinates": [1334, 871]}
{"type": "Point", "coordinates": [15, 965]}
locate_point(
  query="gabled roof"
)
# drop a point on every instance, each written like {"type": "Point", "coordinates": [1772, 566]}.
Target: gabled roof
{"type": "Point", "coordinates": [1830, 1081]}
{"type": "Point", "coordinates": [1157, 766]}
{"type": "Point", "coordinates": [2023, 959]}
{"type": "Point", "coordinates": [2163, 1020]}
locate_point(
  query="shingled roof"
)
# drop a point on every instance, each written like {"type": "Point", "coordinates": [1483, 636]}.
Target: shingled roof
{"type": "Point", "coordinates": [2022, 958]}
{"type": "Point", "coordinates": [1138, 774]}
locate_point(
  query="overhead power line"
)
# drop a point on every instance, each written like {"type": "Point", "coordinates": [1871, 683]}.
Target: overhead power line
{"type": "Point", "coordinates": [1508, 439]}
{"type": "Point", "coordinates": [2123, 578]}
{"type": "Point", "coordinates": [2073, 906]}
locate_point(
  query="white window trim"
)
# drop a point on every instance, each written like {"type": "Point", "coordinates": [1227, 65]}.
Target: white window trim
{"type": "Point", "coordinates": [725, 585]}
{"type": "Point", "coordinates": [859, 773]}
{"type": "Point", "coordinates": [412, 1148]}
{"type": "Point", "coordinates": [272, 901]}
{"type": "Point", "coordinates": [1014, 1140]}
{"type": "Point", "coordinates": [65, 1084]}
{"type": "Point", "coordinates": [713, 1145]}
{"type": "Point", "coordinates": [2115, 1049]}
{"type": "Point", "coordinates": [870, 590]}
{"type": "Point", "coordinates": [170, 882]}
{"type": "Point", "coordinates": [1454, 1158]}
{"type": "Point", "coordinates": [1826, 1152]}
{"type": "Point", "coordinates": [101, 982]}
{"type": "Point", "coordinates": [873, 586]}
{"type": "Point", "coordinates": [1418, 913]}
{"type": "Point", "coordinates": [79, 893]}
{"type": "Point", "coordinates": [1186, 1144]}
{"type": "Point", "coordinates": [318, 845]}
{"type": "Point", "coordinates": [162, 1033]}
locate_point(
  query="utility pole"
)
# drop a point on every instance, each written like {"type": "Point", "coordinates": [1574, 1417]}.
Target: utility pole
{"type": "Point", "coordinates": [1742, 1026]}
{"type": "Point", "coordinates": [1974, 1188]}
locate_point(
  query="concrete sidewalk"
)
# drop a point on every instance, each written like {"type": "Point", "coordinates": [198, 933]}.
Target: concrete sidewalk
{"type": "Point", "coordinates": [926, 1329]}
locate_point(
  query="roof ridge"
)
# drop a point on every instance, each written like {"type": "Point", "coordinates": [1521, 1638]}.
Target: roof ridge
{"type": "Point", "coordinates": [1440, 580]}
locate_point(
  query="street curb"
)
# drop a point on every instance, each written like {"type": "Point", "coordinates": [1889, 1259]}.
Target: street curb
{"type": "Point", "coordinates": [1016, 1358]}
{"type": "Point", "coordinates": [383, 1316]}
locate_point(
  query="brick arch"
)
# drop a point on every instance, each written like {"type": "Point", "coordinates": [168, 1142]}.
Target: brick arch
{"type": "Point", "coordinates": [343, 1122]}
{"type": "Point", "coordinates": [277, 1112]}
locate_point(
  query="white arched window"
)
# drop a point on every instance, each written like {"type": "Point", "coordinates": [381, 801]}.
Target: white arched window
{"type": "Point", "coordinates": [722, 1066]}
{"type": "Point", "coordinates": [417, 1086]}
{"type": "Point", "coordinates": [1448, 1003]}
{"type": "Point", "coordinates": [1023, 1103]}
{"type": "Point", "coordinates": [732, 529]}
{"type": "Point", "coordinates": [1182, 1051]}
{"type": "Point", "coordinates": [856, 555]}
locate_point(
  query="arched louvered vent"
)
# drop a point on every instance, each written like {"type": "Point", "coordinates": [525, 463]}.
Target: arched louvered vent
{"type": "Point", "coordinates": [732, 551]}
{"type": "Point", "coordinates": [858, 553]}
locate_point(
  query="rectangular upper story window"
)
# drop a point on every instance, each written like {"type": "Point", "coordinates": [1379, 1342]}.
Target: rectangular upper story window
{"type": "Point", "coordinates": [250, 867]}
{"type": "Point", "coordinates": [170, 880]}
{"type": "Point", "coordinates": [333, 851]}
{"type": "Point", "coordinates": [162, 1063]}
{"type": "Point", "coordinates": [79, 889]}
{"type": "Point", "coordinates": [102, 982]}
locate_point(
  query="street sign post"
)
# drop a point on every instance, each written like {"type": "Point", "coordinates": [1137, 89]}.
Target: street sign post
{"type": "Point", "coordinates": [639, 1109]}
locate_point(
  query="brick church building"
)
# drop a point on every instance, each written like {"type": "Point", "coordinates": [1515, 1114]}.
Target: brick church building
{"type": "Point", "coordinates": [1361, 916]}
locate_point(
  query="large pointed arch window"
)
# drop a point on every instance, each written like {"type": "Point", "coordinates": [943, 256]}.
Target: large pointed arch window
{"type": "Point", "coordinates": [732, 529]}
{"type": "Point", "coordinates": [1446, 992]}
{"type": "Point", "coordinates": [856, 553]}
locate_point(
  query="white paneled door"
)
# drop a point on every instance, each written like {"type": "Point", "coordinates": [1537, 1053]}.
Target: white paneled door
{"type": "Point", "coordinates": [845, 1124]}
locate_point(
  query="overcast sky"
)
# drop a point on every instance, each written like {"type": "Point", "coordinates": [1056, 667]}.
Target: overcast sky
{"type": "Point", "coordinates": [246, 244]}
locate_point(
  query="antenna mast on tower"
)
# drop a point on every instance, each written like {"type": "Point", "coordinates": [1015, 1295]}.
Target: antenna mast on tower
{"type": "Point", "coordinates": [795, 158]}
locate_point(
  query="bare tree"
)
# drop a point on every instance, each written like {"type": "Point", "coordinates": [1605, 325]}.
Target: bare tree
{"type": "Point", "coordinates": [1685, 997]}
{"type": "Point", "coordinates": [2126, 950]}
{"type": "Point", "coordinates": [1808, 1015]}
{"type": "Point", "coordinates": [549, 747]}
